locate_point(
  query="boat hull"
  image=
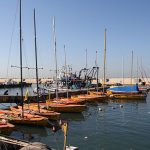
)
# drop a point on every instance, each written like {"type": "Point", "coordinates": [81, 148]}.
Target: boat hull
{"type": "Point", "coordinates": [6, 128]}
{"type": "Point", "coordinates": [33, 109]}
{"type": "Point", "coordinates": [15, 117]}
{"type": "Point", "coordinates": [129, 96]}
{"type": "Point", "coordinates": [67, 108]}
{"type": "Point", "coordinates": [93, 98]}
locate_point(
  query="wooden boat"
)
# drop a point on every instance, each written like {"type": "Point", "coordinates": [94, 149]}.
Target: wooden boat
{"type": "Point", "coordinates": [72, 100]}
{"type": "Point", "coordinates": [33, 109]}
{"type": "Point", "coordinates": [126, 92]}
{"type": "Point", "coordinates": [5, 126]}
{"type": "Point", "coordinates": [129, 96]}
{"type": "Point", "coordinates": [20, 117]}
{"type": "Point", "coordinates": [10, 143]}
{"type": "Point", "coordinates": [93, 97]}
{"type": "Point", "coordinates": [15, 117]}
{"type": "Point", "coordinates": [59, 107]}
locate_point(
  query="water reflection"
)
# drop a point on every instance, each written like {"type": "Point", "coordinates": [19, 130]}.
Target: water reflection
{"type": "Point", "coordinates": [127, 101]}
{"type": "Point", "coordinates": [72, 116]}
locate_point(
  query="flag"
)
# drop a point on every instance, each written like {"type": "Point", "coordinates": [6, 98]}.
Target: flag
{"type": "Point", "coordinates": [26, 95]}
{"type": "Point", "coordinates": [64, 128]}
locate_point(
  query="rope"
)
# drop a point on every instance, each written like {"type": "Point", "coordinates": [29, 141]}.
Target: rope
{"type": "Point", "coordinates": [141, 74]}
{"type": "Point", "coordinates": [146, 76]}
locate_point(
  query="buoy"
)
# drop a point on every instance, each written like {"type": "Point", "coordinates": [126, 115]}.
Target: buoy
{"type": "Point", "coordinates": [100, 109]}
{"type": "Point", "coordinates": [113, 108]}
{"type": "Point", "coordinates": [121, 106]}
{"type": "Point", "coordinates": [71, 148]}
{"type": "Point", "coordinates": [85, 137]}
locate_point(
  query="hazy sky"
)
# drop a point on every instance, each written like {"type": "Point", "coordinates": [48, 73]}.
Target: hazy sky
{"type": "Point", "coordinates": [80, 25]}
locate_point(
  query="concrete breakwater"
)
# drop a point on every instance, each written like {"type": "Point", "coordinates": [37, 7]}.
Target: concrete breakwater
{"type": "Point", "coordinates": [28, 80]}
{"type": "Point", "coordinates": [108, 80]}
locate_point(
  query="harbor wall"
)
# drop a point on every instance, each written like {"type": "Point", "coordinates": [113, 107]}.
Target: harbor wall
{"type": "Point", "coordinates": [108, 80]}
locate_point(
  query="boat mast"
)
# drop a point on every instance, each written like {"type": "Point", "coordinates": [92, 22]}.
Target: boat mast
{"type": "Point", "coordinates": [123, 70]}
{"type": "Point", "coordinates": [21, 62]}
{"type": "Point", "coordinates": [35, 44]}
{"type": "Point", "coordinates": [86, 65]}
{"type": "Point", "coordinates": [86, 59]}
{"type": "Point", "coordinates": [97, 70]}
{"type": "Point", "coordinates": [131, 67]}
{"type": "Point", "coordinates": [54, 36]}
{"type": "Point", "coordinates": [104, 61]}
{"type": "Point", "coordinates": [137, 71]}
{"type": "Point", "coordinates": [66, 70]}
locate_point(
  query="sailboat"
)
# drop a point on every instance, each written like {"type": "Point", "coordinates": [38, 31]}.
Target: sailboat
{"type": "Point", "coordinates": [35, 108]}
{"type": "Point", "coordinates": [22, 117]}
{"type": "Point", "coordinates": [98, 96]}
{"type": "Point", "coordinates": [92, 96]}
{"type": "Point", "coordinates": [57, 104]}
{"type": "Point", "coordinates": [126, 91]}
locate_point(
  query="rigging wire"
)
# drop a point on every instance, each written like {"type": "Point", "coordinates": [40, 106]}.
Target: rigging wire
{"type": "Point", "coordinates": [11, 39]}
{"type": "Point", "coordinates": [145, 74]}
{"type": "Point", "coordinates": [40, 61]}
{"type": "Point", "coordinates": [141, 74]}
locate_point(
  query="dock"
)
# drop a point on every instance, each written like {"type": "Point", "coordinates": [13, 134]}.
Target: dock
{"type": "Point", "coordinates": [42, 98]}
{"type": "Point", "coordinates": [8, 143]}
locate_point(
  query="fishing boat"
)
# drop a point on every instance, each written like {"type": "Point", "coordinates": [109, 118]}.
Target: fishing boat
{"type": "Point", "coordinates": [5, 126]}
{"type": "Point", "coordinates": [57, 105]}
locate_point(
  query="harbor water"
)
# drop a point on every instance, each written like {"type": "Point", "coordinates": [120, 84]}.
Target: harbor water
{"type": "Point", "coordinates": [115, 125]}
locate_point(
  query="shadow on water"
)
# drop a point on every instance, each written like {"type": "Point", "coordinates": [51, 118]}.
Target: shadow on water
{"type": "Point", "coordinates": [72, 116]}
{"type": "Point", "coordinates": [29, 133]}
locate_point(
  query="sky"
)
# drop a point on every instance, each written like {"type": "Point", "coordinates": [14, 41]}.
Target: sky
{"type": "Point", "coordinates": [80, 25]}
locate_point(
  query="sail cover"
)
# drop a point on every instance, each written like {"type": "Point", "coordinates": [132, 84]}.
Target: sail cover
{"type": "Point", "coordinates": [124, 89]}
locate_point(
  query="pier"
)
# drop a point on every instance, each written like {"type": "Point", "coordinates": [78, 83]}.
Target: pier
{"type": "Point", "coordinates": [33, 99]}
{"type": "Point", "coordinates": [7, 143]}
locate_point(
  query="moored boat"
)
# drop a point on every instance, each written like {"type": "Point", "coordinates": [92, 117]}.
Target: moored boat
{"type": "Point", "coordinates": [5, 126]}
{"type": "Point", "coordinates": [91, 97]}
{"type": "Point", "coordinates": [71, 100]}
{"type": "Point", "coordinates": [16, 117]}
{"type": "Point", "coordinates": [33, 109]}
{"type": "Point", "coordinates": [59, 107]}
{"type": "Point", "coordinates": [126, 92]}
{"type": "Point", "coordinates": [129, 96]}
